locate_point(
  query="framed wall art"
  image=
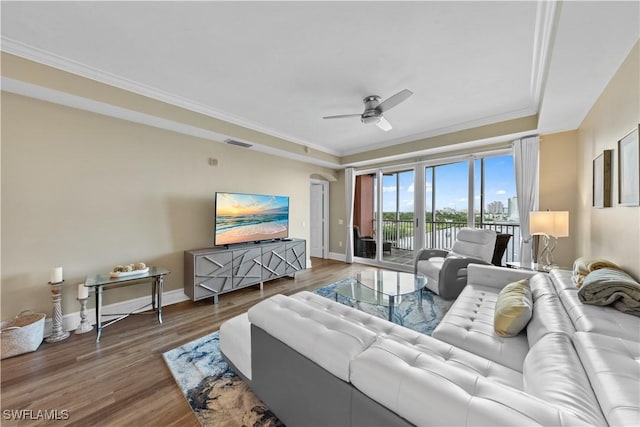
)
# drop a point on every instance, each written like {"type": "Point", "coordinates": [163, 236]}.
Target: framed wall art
{"type": "Point", "coordinates": [602, 180]}
{"type": "Point", "coordinates": [629, 169]}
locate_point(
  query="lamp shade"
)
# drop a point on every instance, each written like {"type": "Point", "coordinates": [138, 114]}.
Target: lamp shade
{"type": "Point", "coordinates": [552, 223]}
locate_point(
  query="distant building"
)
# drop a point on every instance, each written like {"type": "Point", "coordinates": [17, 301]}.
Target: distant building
{"type": "Point", "coordinates": [496, 207]}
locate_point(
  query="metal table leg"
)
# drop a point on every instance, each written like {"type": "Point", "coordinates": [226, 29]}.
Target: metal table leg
{"type": "Point", "coordinates": [159, 288]}
{"type": "Point", "coordinates": [154, 290]}
{"type": "Point", "coordinates": [98, 312]}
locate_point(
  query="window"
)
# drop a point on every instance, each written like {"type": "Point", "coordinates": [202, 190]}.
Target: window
{"type": "Point", "coordinates": [495, 191]}
{"type": "Point", "coordinates": [495, 201]}
{"type": "Point", "coordinates": [495, 207]}
{"type": "Point", "coordinates": [447, 188]}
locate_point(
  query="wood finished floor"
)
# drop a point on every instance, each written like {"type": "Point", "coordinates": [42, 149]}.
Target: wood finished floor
{"type": "Point", "coordinates": [123, 380]}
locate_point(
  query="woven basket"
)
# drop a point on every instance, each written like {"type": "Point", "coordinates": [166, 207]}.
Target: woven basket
{"type": "Point", "coordinates": [22, 334]}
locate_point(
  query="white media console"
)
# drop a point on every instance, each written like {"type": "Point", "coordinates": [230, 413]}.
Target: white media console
{"type": "Point", "coordinates": [211, 272]}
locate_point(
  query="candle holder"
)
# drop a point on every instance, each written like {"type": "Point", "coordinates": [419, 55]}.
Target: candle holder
{"type": "Point", "coordinates": [84, 325]}
{"type": "Point", "coordinates": [58, 334]}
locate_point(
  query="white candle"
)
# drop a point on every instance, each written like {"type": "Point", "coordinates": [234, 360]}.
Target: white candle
{"type": "Point", "coordinates": [56, 275]}
{"type": "Point", "coordinates": [83, 291]}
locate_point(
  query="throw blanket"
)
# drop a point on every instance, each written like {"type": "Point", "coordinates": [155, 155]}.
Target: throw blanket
{"type": "Point", "coordinates": [610, 286]}
{"type": "Point", "coordinates": [583, 266]}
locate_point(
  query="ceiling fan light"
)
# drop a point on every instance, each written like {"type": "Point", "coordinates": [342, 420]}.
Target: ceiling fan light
{"type": "Point", "coordinates": [370, 119]}
{"type": "Point", "coordinates": [384, 124]}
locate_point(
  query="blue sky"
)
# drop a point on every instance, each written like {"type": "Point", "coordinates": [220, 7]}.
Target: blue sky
{"type": "Point", "coordinates": [451, 185]}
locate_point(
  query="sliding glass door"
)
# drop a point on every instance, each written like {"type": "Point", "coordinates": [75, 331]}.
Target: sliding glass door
{"type": "Point", "coordinates": [384, 217]}
{"type": "Point", "coordinates": [398, 216]}
{"type": "Point", "coordinates": [399, 210]}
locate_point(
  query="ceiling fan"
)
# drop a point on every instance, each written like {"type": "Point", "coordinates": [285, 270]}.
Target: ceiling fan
{"type": "Point", "coordinates": [374, 109]}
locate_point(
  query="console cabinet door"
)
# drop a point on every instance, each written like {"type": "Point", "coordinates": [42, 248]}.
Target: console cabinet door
{"type": "Point", "coordinates": [296, 257]}
{"type": "Point", "coordinates": [273, 261]}
{"type": "Point", "coordinates": [213, 274]}
{"type": "Point", "coordinates": [210, 272]}
{"type": "Point", "coordinates": [247, 268]}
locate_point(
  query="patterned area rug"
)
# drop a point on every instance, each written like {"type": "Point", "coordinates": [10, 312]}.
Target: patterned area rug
{"type": "Point", "coordinates": [219, 397]}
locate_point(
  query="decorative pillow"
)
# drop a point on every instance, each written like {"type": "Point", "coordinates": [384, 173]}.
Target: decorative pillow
{"type": "Point", "coordinates": [514, 308]}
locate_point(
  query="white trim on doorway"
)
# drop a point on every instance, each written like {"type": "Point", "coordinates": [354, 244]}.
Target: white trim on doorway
{"type": "Point", "coordinates": [323, 218]}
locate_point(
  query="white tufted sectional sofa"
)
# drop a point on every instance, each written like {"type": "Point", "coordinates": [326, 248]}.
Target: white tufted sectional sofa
{"type": "Point", "coordinates": [317, 362]}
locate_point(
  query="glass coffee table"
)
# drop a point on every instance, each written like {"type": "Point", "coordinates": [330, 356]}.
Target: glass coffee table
{"type": "Point", "coordinates": [383, 287]}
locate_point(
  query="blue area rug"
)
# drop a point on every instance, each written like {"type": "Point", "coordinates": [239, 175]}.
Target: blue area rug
{"type": "Point", "coordinates": [219, 397]}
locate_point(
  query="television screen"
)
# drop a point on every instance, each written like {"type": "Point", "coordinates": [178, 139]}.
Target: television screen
{"type": "Point", "coordinates": [250, 218]}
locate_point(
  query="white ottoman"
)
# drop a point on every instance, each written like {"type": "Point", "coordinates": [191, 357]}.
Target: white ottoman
{"type": "Point", "coordinates": [235, 344]}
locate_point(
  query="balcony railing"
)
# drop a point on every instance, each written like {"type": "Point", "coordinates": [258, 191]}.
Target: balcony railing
{"type": "Point", "coordinates": [443, 235]}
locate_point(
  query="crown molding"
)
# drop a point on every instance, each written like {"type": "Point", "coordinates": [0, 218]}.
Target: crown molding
{"type": "Point", "coordinates": [547, 20]}
{"type": "Point", "coordinates": [547, 16]}
{"type": "Point", "coordinates": [62, 98]}
{"type": "Point", "coordinates": [41, 56]}
{"type": "Point", "coordinates": [488, 120]}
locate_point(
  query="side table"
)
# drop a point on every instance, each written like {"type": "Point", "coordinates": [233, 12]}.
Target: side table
{"type": "Point", "coordinates": [100, 281]}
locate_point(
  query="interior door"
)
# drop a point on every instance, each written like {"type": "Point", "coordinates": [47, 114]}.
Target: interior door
{"type": "Point", "coordinates": [317, 221]}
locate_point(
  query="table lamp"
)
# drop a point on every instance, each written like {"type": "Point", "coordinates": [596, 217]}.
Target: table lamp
{"type": "Point", "coordinates": [550, 225]}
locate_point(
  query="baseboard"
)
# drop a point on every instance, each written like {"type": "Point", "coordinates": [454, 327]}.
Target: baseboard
{"type": "Point", "coordinates": [337, 256]}
{"type": "Point", "coordinates": [71, 321]}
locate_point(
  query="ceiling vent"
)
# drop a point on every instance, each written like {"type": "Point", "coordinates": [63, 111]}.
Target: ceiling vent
{"type": "Point", "coordinates": [238, 143]}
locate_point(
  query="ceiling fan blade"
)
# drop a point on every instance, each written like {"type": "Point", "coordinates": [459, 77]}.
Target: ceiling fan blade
{"type": "Point", "coordinates": [384, 124]}
{"type": "Point", "coordinates": [342, 116]}
{"type": "Point", "coordinates": [394, 100]}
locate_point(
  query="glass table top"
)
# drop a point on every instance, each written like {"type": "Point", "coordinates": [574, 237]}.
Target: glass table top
{"type": "Point", "coordinates": [106, 279]}
{"type": "Point", "coordinates": [381, 287]}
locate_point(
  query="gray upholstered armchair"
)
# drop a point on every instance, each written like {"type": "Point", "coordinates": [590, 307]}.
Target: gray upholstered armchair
{"type": "Point", "coordinates": [446, 270]}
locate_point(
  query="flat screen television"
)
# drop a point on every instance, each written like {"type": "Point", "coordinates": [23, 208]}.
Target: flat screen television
{"type": "Point", "coordinates": [241, 218]}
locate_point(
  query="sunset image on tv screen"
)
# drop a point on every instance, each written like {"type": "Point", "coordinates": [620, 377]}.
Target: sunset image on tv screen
{"type": "Point", "coordinates": [250, 217]}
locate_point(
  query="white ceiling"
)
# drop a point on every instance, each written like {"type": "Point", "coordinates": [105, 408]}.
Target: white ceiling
{"type": "Point", "coordinates": [279, 67]}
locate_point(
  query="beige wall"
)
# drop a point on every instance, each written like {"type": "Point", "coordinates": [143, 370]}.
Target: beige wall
{"type": "Point", "coordinates": [557, 187]}
{"type": "Point", "coordinates": [87, 192]}
{"type": "Point", "coordinates": [612, 233]}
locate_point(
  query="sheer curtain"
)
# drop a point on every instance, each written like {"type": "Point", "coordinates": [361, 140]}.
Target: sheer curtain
{"type": "Point", "coordinates": [526, 165]}
{"type": "Point", "coordinates": [349, 191]}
